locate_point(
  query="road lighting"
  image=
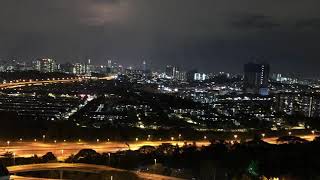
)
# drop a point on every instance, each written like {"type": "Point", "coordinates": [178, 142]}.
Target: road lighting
{"type": "Point", "coordinates": [44, 138]}
{"type": "Point", "coordinates": [55, 141]}
{"type": "Point", "coordinates": [62, 151]}
{"type": "Point", "coordinates": [172, 138]}
{"type": "Point", "coordinates": [109, 155]}
{"type": "Point", "coordinates": [79, 140]}
{"type": "Point", "coordinates": [179, 137]}
{"type": "Point", "coordinates": [263, 135]}
{"type": "Point", "coordinates": [14, 158]}
{"type": "Point", "coordinates": [98, 140]}
{"type": "Point", "coordinates": [35, 140]}
{"type": "Point", "coordinates": [313, 132]}
{"type": "Point", "coordinates": [204, 137]}
{"type": "Point", "coordinates": [8, 143]}
{"type": "Point", "coordinates": [20, 139]}
{"type": "Point", "coordinates": [155, 161]}
{"type": "Point", "coordinates": [289, 133]}
{"type": "Point", "coordinates": [137, 139]}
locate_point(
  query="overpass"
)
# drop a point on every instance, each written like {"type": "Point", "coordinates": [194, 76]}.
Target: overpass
{"type": "Point", "coordinates": [85, 168]}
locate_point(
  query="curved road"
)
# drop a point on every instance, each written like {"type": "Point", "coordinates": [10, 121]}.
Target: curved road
{"type": "Point", "coordinates": [87, 168]}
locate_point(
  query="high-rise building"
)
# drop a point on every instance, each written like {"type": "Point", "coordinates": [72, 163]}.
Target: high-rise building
{"type": "Point", "coordinates": [200, 76]}
{"type": "Point", "coordinates": [191, 75]}
{"type": "Point", "coordinates": [144, 66]}
{"type": "Point", "coordinates": [109, 63]}
{"type": "Point", "coordinates": [169, 71]}
{"type": "Point", "coordinates": [79, 69]}
{"type": "Point", "coordinates": [45, 65]}
{"type": "Point", "coordinates": [256, 78]}
{"type": "Point", "coordinates": [66, 68]}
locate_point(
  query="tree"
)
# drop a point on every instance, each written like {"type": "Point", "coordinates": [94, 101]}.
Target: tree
{"type": "Point", "coordinates": [49, 157]}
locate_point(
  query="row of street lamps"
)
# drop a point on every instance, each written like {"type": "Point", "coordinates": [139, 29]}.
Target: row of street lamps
{"type": "Point", "coordinates": [149, 138]}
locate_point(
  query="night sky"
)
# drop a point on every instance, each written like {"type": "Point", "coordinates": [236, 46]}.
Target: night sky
{"type": "Point", "coordinates": [211, 35]}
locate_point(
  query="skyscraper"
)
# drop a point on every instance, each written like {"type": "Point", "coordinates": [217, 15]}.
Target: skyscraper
{"type": "Point", "coordinates": [144, 66]}
{"type": "Point", "coordinates": [256, 78]}
{"type": "Point", "coordinates": [169, 71]}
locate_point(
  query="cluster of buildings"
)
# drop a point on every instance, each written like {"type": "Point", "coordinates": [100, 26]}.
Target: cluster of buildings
{"type": "Point", "coordinates": [254, 94]}
{"type": "Point", "coordinates": [49, 65]}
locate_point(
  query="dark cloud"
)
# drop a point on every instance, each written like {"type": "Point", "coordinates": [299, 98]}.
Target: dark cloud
{"type": "Point", "coordinates": [209, 33]}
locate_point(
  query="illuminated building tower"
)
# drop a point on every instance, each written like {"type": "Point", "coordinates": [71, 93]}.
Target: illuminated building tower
{"type": "Point", "coordinates": [45, 65]}
{"type": "Point", "coordinates": [109, 64]}
{"type": "Point", "coordinates": [256, 78]}
{"type": "Point", "coordinates": [144, 66]}
{"type": "Point", "coordinates": [79, 69]}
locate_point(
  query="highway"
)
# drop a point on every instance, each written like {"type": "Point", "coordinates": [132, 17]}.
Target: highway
{"type": "Point", "coordinates": [87, 168]}
{"type": "Point", "coordinates": [23, 83]}
{"type": "Point", "coordinates": [62, 150]}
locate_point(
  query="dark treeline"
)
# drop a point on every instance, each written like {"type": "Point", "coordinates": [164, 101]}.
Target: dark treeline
{"type": "Point", "coordinates": [251, 160]}
{"type": "Point", "coordinates": [295, 159]}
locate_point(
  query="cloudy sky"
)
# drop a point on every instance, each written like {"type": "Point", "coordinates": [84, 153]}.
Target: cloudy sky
{"type": "Point", "coordinates": [211, 35]}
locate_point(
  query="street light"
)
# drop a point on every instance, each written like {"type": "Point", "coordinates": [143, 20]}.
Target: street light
{"type": "Point", "coordinates": [35, 140]}
{"type": "Point", "coordinates": [155, 161]}
{"type": "Point", "coordinates": [235, 136]}
{"type": "Point", "coordinates": [313, 132]}
{"type": "Point", "coordinates": [109, 155]}
{"type": "Point", "coordinates": [179, 137]}
{"type": "Point", "coordinates": [98, 140]}
{"type": "Point", "coordinates": [137, 139]}
{"type": "Point", "coordinates": [14, 158]}
{"type": "Point", "coordinates": [263, 135]}
{"type": "Point", "coordinates": [55, 141]}
{"type": "Point", "coordinates": [8, 143]}
{"type": "Point", "coordinates": [205, 137]}
{"type": "Point", "coordinates": [172, 138]}
{"type": "Point", "coordinates": [44, 138]}
{"type": "Point", "coordinates": [62, 151]}
{"type": "Point", "coordinates": [289, 133]}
